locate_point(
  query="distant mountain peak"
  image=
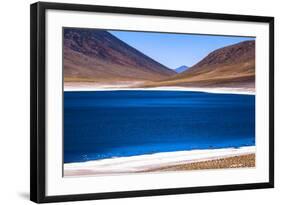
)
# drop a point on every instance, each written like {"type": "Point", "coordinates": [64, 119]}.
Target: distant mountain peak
{"type": "Point", "coordinates": [181, 68]}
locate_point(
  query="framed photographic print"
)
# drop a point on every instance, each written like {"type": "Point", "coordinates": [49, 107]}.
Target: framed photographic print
{"type": "Point", "coordinates": [129, 102]}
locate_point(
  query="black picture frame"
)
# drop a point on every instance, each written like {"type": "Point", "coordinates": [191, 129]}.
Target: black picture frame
{"type": "Point", "coordinates": [38, 111]}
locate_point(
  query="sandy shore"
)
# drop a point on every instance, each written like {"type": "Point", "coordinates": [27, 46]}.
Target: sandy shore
{"type": "Point", "coordinates": [137, 86]}
{"type": "Point", "coordinates": [167, 161]}
{"type": "Point", "coordinates": [207, 90]}
{"type": "Point", "coordinates": [228, 162]}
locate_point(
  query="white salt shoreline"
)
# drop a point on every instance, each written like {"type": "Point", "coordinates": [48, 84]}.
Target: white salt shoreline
{"type": "Point", "coordinates": [221, 90]}
{"type": "Point", "coordinates": [147, 162]}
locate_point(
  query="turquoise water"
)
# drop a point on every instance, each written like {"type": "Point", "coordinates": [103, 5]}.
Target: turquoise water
{"type": "Point", "coordinates": [106, 124]}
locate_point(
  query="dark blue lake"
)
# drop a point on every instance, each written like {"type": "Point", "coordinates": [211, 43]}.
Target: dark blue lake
{"type": "Point", "coordinates": [105, 124]}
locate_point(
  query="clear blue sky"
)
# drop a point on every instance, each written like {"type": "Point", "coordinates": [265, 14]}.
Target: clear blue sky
{"type": "Point", "coordinates": [174, 50]}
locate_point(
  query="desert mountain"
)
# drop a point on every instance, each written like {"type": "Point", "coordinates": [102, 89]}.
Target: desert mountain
{"type": "Point", "coordinates": [181, 69]}
{"type": "Point", "coordinates": [230, 66]}
{"type": "Point", "coordinates": [97, 55]}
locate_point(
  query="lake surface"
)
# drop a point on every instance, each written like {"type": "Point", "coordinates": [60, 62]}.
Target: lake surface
{"type": "Point", "coordinates": [106, 124]}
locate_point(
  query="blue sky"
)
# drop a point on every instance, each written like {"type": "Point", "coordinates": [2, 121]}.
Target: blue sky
{"type": "Point", "coordinates": [174, 50]}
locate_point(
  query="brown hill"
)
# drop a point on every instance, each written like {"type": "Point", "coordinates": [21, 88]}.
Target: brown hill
{"type": "Point", "coordinates": [92, 55]}
{"type": "Point", "coordinates": [230, 66]}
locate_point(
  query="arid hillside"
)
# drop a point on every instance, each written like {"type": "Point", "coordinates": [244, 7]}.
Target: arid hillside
{"type": "Point", "coordinates": [231, 66]}
{"type": "Point", "coordinates": [92, 55]}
